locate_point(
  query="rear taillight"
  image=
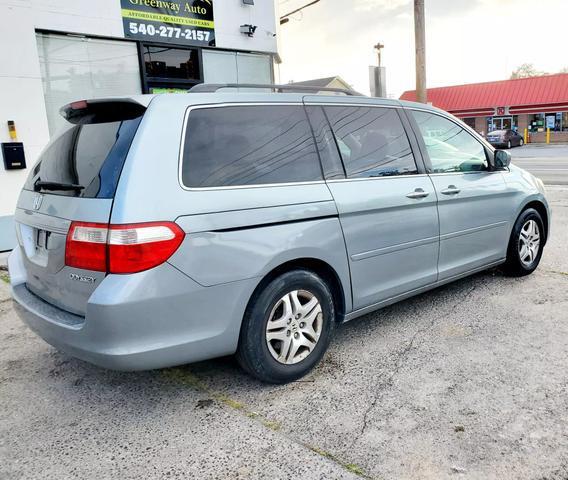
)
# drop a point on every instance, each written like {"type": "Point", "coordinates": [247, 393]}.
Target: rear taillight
{"type": "Point", "coordinates": [86, 246]}
{"type": "Point", "coordinates": [126, 248]}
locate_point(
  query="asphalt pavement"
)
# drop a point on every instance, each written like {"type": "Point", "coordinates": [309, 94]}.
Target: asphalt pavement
{"type": "Point", "coordinates": [467, 381]}
{"type": "Point", "coordinates": [548, 162]}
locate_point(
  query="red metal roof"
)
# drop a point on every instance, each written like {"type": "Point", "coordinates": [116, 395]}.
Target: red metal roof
{"type": "Point", "coordinates": [535, 91]}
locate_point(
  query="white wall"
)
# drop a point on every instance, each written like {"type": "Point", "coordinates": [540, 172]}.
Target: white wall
{"type": "Point", "coordinates": [231, 14]}
{"type": "Point", "coordinates": [21, 91]}
{"type": "Point", "coordinates": [21, 94]}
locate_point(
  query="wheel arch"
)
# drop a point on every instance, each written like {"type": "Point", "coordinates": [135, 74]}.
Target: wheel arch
{"type": "Point", "coordinates": [319, 267]}
{"type": "Point", "coordinates": [543, 212]}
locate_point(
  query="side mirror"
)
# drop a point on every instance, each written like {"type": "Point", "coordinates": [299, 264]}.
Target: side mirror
{"type": "Point", "coordinates": [501, 160]}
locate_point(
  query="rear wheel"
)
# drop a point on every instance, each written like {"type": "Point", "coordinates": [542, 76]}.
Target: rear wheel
{"type": "Point", "coordinates": [287, 327]}
{"type": "Point", "coordinates": [509, 144]}
{"type": "Point", "coordinates": [525, 245]}
{"type": "Point", "coordinates": [521, 142]}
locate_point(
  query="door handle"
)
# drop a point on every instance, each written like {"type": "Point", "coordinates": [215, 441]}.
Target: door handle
{"type": "Point", "coordinates": [451, 190]}
{"type": "Point", "coordinates": [418, 193]}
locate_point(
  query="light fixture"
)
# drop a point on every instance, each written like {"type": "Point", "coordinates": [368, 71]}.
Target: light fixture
{"type": "Point", "coordinates": [248, 29]}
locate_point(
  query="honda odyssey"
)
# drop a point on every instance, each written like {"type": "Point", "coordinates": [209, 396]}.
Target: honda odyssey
{"type": "Point", "coordinates": [159, 230]}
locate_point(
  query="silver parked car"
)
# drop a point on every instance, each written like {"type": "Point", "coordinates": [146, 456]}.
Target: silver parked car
{"type": "Point", "coordinates": [162, 230]}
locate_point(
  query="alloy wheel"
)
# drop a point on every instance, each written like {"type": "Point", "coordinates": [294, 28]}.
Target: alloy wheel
{"type": "Point", "coordinates": [529, 243]}
{"type": "Point", "coordinates": [294, 327]}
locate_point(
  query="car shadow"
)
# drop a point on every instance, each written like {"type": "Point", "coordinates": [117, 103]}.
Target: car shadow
{"type": "Point", "coordinates": [224, 374]}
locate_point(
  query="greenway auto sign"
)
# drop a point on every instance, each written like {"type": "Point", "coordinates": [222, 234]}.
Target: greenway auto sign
{"type": "Point", "coordinates": [189, 23]}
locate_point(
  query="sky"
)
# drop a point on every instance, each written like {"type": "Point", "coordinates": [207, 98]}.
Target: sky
{"type": "Point", "coordinates": [467, 41]}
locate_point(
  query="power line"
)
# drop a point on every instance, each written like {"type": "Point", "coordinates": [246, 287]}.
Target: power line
{"type": "Point", "coordinates": [284, 18]}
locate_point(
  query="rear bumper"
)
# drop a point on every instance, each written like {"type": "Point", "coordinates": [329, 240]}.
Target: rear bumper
{"type": "Point", "coordinates": [153, 319]}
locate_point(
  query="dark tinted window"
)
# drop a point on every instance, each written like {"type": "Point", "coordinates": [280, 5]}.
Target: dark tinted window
{"type": "Point", "coordinates": [249, 145]}
{"type": "Point", "coordinates": [329, 155]}
{"type": "Point", "coordinates": [89, 155]}
{"type": "Point", "coordinates": [166, 62]}
{"type": "Point", "coordinates": [372, 141]}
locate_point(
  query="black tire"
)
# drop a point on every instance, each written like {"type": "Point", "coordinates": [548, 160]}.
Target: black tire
{"type": "Point", "coordinates": [514, 266]}
{"type": "Point", "coordinates": [509, 144]}
{"type": "Point", "coordinates": [253, 353]}
{"type": "Point", "coordinates": [521, 142]}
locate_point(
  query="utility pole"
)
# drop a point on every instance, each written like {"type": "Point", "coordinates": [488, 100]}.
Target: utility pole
{"type": "Point", "coordinates": [379, 47]}
{"type": "Point", "coordinates": [378, 75]}
{"type": "Point", "coordinates": [420, 43]}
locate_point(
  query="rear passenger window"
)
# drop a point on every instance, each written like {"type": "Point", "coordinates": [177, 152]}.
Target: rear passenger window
{"type": "Point", "coordinates": [372, 141]}
{"type": "Point", "coordinates": [249, 145]}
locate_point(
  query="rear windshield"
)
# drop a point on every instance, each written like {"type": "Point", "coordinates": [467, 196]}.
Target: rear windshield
{"type": "Point", "coordinates": [91, 156]}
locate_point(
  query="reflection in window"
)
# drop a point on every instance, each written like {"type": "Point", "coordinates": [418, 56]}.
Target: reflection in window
{"type": "Point", "coordinates": [372, 141]}
{"type": "Point", "coordinates": [331, 162]}
{"type": "Point", "coordinates": [449, 146]}
{"type": "Point", "coordinates": [76, 68]}
{"type": "Point", "coordinates": [249, 146]}
{"type": "Point", "coordinates": [165, 62]}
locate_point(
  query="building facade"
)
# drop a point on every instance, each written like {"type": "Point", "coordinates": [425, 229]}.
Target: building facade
{"type": "Point", "coordinates": [59, 51]}
{"type": "Point", "coordinates": [535, 104]}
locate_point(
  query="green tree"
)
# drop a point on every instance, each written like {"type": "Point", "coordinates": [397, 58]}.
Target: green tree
{"type": "Point", "coordinates": [526, 70]}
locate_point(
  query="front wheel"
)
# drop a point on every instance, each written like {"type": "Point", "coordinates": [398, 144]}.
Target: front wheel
{"type": "Point", "coordinates": [287, 327]}
{"type": "Point", "coordinates": [525, 245]}
{"type": "Point", "coordinates": [509, 144]}
{"type": "Point", "coordinates": [521, 142]}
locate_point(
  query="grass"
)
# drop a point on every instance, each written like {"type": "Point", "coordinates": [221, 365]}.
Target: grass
{"type": "Point", "coordinates": [350, 467]}
{"type": "Point", "coordinates": [185, 377]}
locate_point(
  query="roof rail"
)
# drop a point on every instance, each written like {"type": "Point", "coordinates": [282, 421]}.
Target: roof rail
{"type": "Point", "coordinates": [213, 87]}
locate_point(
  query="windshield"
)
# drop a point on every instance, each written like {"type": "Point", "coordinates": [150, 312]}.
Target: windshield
{"type": "Point", "coordinates": [90, 156]}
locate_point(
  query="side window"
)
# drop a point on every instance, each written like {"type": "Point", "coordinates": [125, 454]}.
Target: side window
{"type": "Point", "coordinates": [372, 141]}
{"type": "Point", "coordinates": [249, 145]}
{"type": "Point", "coordinates": [449, 146]}
{"type": "Point", "coordinates": [331, 162]}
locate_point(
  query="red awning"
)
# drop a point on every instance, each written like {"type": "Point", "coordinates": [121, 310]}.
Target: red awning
{"type": "Point", "coordinates": [524, 95]}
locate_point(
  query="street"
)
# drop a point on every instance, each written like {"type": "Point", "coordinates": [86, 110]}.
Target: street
{"type": "Point", "coordinates": [466, 381]}
{"type": "Point", "coordinates": [548, 162]}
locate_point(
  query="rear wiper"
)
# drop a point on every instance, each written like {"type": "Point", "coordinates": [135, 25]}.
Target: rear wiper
{"type": "Point", "coordinates": [41, 185]}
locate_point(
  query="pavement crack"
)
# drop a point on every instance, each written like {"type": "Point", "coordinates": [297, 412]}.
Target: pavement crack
{"type": "Point", "coordinates": [400, 356]}
{"type": "Point", "coordinates": [187, 377]}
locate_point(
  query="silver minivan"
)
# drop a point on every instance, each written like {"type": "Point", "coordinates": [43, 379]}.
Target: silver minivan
{"type": "Point", "coordinates": [161, 230]}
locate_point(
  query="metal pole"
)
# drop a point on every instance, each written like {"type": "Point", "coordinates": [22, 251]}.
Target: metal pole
{"type": "Point", "coordinates": [378, 47]}
{"type": "Point", "coordinates": [420, 43]}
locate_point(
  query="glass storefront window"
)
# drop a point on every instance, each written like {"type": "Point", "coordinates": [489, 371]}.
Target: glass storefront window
{"type": "Point", "coordinates": [175, 63]}
{"type": "Point", "coordinates": [470, 122]}
{"type": "Point", "coordinates": [536, 122]}
{"type": "Point", "coordinates": [76, 68]}
{"type": "Point", "coordinates": [234, 67]}
{"type": "Point", "coordinates": [556, 121]}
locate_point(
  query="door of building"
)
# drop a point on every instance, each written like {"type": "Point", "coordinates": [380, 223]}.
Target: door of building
{"type": "Point", "coordinates": [501, 123]}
